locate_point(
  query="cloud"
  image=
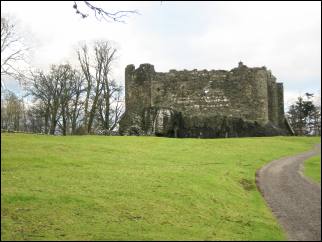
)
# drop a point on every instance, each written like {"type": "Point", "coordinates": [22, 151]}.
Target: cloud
{"type": "Point", "coordinates": [284, 36]}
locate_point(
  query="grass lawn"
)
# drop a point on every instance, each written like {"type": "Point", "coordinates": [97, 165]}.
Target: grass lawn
{"type": "Point", "coordinates": [137, 188]}
{"type": "Point", "coordinates": [312, 168]}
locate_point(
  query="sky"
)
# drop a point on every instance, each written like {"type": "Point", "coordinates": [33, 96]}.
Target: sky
{"type": "Point", "coordinates": [283, 36]}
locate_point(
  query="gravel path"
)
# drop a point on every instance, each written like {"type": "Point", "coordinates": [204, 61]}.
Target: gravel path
{"type": "Point", "coordinates": [295, 201]}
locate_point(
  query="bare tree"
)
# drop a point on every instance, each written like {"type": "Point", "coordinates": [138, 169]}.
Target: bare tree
{"type": "Point", "coordinates": [36, 117]}
{"type": "Point", "coordinates": [66, 79]}
{"type": "Point", "coordinates": [13, 50]}
{"type": "Point", "coordinates": [40, 89]}
{"type": "Point", "coordinates": [97, 75]}
{"type": "Point", "coordinates": [53, 90]}
{"type": "Point", "coordinates": [58, 95]}
{"type": "Point", "coordinates": [117, 109]}
{"type": "Point", "coordinates": [71, 83]}
{"type": "Point", "coordinates": [110, 107]}
{"type": "Point", "coordinates": [83, 58]}
{"type": "Point", "coordinates": [12, 111]}
{"type": "Point", "coordinates": [76, 103]}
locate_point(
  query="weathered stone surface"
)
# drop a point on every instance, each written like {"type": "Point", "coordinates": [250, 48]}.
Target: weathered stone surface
{"type": "Point", "coordinates": [217, 103]}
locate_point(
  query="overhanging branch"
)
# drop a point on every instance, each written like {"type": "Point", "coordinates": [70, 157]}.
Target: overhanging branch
{"type": "Point", "coordinates": [100, 13]}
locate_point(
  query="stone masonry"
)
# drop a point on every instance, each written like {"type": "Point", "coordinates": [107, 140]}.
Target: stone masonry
{"type": "Point", "coordinates": [199, 103]}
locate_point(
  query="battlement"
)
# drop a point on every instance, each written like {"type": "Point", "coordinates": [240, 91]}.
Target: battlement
{"type": "Point", "coordinates": [250, 94]}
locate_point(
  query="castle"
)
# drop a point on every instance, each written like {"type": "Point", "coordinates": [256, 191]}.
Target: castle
{"type": "Point", "coordinates": [199, 103]}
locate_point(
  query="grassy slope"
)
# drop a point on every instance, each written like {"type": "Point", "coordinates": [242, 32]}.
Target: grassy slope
{"type": "Point", "coordinates": [312, 168]}
{"type": "Point", "coordinates": [137, 188]}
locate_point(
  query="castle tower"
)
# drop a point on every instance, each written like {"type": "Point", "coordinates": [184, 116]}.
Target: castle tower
{"type": "Point", "coordinates": [272, 99]}
{"type": "Point", "coordinates": [260, 84]}
{"type": "Point", "coordinates": [138, 87]}
{"type": "Point", "coordinates": [280, 104]}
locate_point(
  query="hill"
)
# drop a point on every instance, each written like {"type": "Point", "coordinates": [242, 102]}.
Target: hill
{"type": "Point", "coordinates": [137, 188]}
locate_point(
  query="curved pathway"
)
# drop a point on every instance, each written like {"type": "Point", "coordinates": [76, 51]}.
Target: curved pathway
{"type": "Point", "coordinates": [295, 201]}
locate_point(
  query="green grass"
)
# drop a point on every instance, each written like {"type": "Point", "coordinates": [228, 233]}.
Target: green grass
{"type": "Point", "coordinates": [312, 168]}
{"type": "Point", "coordinates": [137, 188]}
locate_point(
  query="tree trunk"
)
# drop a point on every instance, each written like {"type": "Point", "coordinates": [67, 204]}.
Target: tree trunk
{"type": "Point", "coordinates": [94, 107]}
{"type": "Point", "coordinates": [54, 119]}
{"type": "Point", "coordinates": [74, 114]}
{"type": "Point", "coordinates": [46, 119]}
{"type": "Point", "coordinates": [64, 120]}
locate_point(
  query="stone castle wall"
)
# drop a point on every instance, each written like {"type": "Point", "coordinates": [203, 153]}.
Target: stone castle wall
{"type": "Point", "coordinates": [154, 99]}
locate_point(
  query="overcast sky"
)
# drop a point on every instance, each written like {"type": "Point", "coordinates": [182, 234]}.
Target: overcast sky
{"type": "Point", "coordinates": [283, 36]}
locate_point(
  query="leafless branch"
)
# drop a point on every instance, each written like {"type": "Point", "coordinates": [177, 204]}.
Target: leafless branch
{"type": "Point", "coordinates": [100, 13]}
{"type": "Point", "coordinates": [13, 50]}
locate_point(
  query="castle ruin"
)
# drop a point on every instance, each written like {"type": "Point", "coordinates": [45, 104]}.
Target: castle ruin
{"type": "Point", "coordinates": [199, 103]}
